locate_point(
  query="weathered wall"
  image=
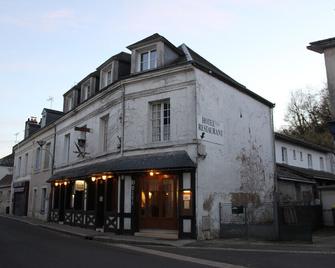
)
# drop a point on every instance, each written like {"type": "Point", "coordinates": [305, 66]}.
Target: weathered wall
{"type": "Point", "coordinates": [329, 55]}
{"type": "Point", "coordinates": [239, 166]}
{"type": "Point", "coordinates": [328, 202]}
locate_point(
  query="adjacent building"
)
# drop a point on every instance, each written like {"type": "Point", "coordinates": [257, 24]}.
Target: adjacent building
{"type": "Point", "coordinates": [6, 171]}
{"type": "Point", "coordinates": [150, 143]}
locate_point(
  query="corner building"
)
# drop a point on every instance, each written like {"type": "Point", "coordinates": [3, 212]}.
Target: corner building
{"type": "Point", "coordinates": [153, 141]}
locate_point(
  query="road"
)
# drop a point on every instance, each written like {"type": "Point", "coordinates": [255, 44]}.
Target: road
{"type": "Point", "coordinates": [24, 245]}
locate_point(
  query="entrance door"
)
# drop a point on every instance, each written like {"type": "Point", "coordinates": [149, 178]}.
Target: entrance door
{"type": "Point", "coordinates": [100, 204]}
{"type": "Point", "coordinates": [158, 202]}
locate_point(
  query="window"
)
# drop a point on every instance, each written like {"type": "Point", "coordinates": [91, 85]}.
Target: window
{"type": "Point", "coordinates": [310, 163]}
{"type": "Point", "coordinates": [43, 200]}
{"type": "Point", "coordinates": [301, 158]}
{"type": "Point", "coordinates": [148, 60]}
{"type": "Point", "coordinates": [67, 148]}
{"type": "Point", "coordinates": [38, 159]}
{"type": "Point", "coordinates": [104, 133]}
{"type": "Point", "coordinates": [322, 164]}
{"type": "Point", "coordinates": [85, 91]}
{"type": "Point", "coordinates": [69, 102]}
{"type": "Point", "coordinates": [109, 77]}
{"type": "Point", "coordinates": [19, 166]}
{"type": "Point", "coordinates": [284, 154]}
{"type": "Point", "coordinates": [25, 169]}
{"type": "Point", "coordinates": [47, 155]}
{"type": "Point", "coordinates": [294, 155]}
{"type": "Point", "coordinates": [160, 121]}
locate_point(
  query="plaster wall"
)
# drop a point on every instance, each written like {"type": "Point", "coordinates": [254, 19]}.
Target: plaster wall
{"type": "Point", "coordinates": [241, 160]}
{"type": "Point", "coordinates": [305, 151]}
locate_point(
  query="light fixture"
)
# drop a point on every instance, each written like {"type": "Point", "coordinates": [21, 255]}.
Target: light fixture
{"type": "Point", "coordinates": [104, 177]}
{"type": "Point", "coordinates": [109, 177]}
{"type": "Point", "coordinates": [150, 195]}
{"type": "Point", "coordinates": [65, 183]}
{"type": "Point", "coordinates": [157, 173]}
{"type": "Point", "coordinates": [151, 173]}
{"type": "Point", "coordinates": [93, 179]}
{"type": "Point", "coordinates": [56, 184]}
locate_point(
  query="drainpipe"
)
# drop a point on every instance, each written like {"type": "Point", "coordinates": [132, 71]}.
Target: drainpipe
{"type": "Point", "coordinates": [123, 118]}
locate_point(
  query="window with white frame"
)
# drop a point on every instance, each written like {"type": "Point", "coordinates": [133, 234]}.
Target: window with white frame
{"type": "Point", "coordinates": [19, 166]}
{"type": "Point", "coordinates": [160, 121]}
{"type": "Point", "coordinates": [106, 76]}
{"type": "Point", "coordinates": [38, 159]}
{"type": "Point", "coordinates": [43, 199]}
{"type": "Point", "coordinates": [47, 155]}
{"type": "Point", "coordinates": [104, 133]}
{"type": "Point", "coordinates": [322, 164]}
{"type": "Point", "coordinates": [294, 155]}
{"type": "Point", "coordinates": [310, 162]}
{"type": "Point", "coordinates": [284, 154]}
{"type": "Point", "coordinates": [301, 157]}
{"type": "Point", "coordinates": [148, 60]}
{"type": "Point", "coordinates": [66, 152]}
{"type": "Point", "coordinates": [85, 91]}
{"type": "Point", "coordinates": [69, 102]}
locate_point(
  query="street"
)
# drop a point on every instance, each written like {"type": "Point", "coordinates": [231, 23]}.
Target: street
{"type": "Point", "coordinates": [24, 245]}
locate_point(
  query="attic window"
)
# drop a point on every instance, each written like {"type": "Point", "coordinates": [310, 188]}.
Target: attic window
{"type": "Point", "coordinates": [148, 60]}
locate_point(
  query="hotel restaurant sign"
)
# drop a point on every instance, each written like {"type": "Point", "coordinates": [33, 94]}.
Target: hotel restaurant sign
{"type": "Point", "coordinates": [210, 129]}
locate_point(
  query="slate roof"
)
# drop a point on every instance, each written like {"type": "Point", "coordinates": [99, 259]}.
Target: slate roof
{"type": "Point", "coordinates": [6, 181]}
{"type": "Point", "coordinates": [285, 173]}
{"type": "Point", "coordinates": [7, 161]}
{"type": "Point", "coordinates": [122, 56]}
{"type": "Point", "coordinates": [321, 45]}
{"type": "Point", "coordinates": [168, 160]}
{"type": "Point", "coordinates": [307, 173]}
{"type": "Point", "coordinates": [304, 143]}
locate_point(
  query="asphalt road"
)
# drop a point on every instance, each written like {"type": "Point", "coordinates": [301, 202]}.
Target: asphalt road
{"type": "Point", "coordinates": [23, 245]}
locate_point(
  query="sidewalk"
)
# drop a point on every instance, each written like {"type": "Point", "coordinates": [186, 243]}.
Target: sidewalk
{"type": "Point", "coordinates": [323, 240]}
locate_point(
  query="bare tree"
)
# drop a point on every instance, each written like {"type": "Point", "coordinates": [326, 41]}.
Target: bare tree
{"type": "Point", "coordinates": [307, 115]}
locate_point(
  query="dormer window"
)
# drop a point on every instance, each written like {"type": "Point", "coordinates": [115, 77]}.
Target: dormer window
{"type": "Point", "coordinates": [86, 90]}
{"type": "Point", "coordinates": [148, 60]}
{"type": "Point", "coordinates": [107, 75]}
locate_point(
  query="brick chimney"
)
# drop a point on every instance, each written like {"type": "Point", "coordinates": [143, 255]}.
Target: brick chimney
{"type": "Point", "coordinates": [31, 126]}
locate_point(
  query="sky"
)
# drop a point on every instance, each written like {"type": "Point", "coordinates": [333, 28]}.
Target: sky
{"type": "Point", "coordinates": [48, 46]}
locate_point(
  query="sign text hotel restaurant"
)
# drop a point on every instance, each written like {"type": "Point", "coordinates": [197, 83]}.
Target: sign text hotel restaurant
{"type": "Point", "coordinates": [212, 129]}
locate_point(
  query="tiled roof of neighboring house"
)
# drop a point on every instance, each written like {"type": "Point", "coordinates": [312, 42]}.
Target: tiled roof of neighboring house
{"type": "Point", "coordinates": [280, 136]}
{"type": "Point", "coordinates": [168, 160]}
{"type": "Point", "coordinates": [321, 45]}
{"type": "Point", "coordinates": [6, 181]}
{"type": "Point", "coordinates": [285, 173]}
{"type": "Point", "coordinates": [308, 173]}
{"type": "Point", "coordinates": [7, 161]}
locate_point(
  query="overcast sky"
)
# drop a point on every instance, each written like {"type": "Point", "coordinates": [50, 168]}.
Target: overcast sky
{"type": "Point", "coordinates": [48, 46]}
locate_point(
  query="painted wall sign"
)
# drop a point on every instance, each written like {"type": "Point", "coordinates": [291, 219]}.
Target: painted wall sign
{"type": "Point", "coordinates": [210, 129]}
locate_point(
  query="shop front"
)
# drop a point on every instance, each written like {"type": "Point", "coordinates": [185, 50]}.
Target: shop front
{"type": "Point", "coordinates": [119, 197]}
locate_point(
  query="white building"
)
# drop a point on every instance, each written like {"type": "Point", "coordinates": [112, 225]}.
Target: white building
{"type": "Point", "coordinates": [6, 171]}
{"type": "Point", "coordinates": [154, 141]}
{"type": "Point", "coordinates": [302, 167]}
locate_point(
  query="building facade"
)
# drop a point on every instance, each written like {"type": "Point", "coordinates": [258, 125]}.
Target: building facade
{"type": "Point", "coordinates": [301, 168]}
{"type": "Point", "coordinates": [153, 141]}
{"type": "Point", "coordinates": [6, 172]}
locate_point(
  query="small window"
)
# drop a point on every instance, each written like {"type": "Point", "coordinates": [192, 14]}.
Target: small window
{"type": "Point", "coordinates": [66, 152]}
{"type": "Point", "coordinates": [38, 159]}
{"type": "Point", "coordinates": [322, 164]}
{"type": "Point", "coordinates": [109, 77]}
{"type": "Point", "coordinates": [69, 102]}
{"type": "Point", "coordinates": [148, 60]}
{"type": "Point", "coordinates": [25, 169]}
{"type": "Point", "coordinates": [160, 121]}
{"type": "Point", "coordinates": [47, 154]}
{"type": "Point", "coordinates": [104, 133]}
{"type": "Point", "coordinates": [294, 155]}
{"type": "Point", "coordinates": [284, 155]}
{"type": "Point", "coordinates": [43, 200]}
{"type": "Point", "coordinates": [310, 163]}
{"type": "Point", "coordinates": [301, 158]}
{"type": "Point", "coordinates": [19, 166]}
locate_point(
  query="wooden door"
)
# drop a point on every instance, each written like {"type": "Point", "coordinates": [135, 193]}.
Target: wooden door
{"type": "Point", "coordinates": [158, 202]}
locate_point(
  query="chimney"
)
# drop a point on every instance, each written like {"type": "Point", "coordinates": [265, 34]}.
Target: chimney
{"type": "Point", "coordinates": [31, 126]}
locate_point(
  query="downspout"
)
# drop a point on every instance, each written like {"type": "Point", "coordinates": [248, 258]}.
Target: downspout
{"type": "Point", "coordinates": [123, 118]}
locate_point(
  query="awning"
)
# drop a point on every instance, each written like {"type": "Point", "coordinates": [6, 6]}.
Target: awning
{"type": "Point", "coordinates": [160, 161]}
